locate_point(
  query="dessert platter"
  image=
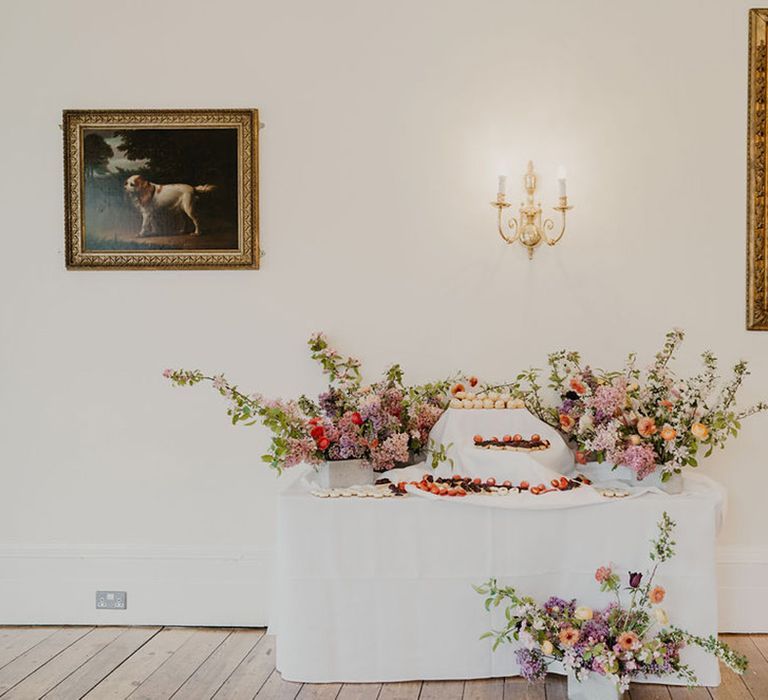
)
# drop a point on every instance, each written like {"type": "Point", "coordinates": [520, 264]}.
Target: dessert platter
{"type": "Point", "coordinates": [513, 443]}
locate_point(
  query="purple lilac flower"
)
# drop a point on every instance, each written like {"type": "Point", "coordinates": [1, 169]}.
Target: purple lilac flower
{"type": "Point", "coordinates": [594, 631]}
{"type": "Point", "coordinates": [329, 403]}
{"type": "Point", "coordinates": [349, 446]}
{"type": "Point", "coordinates": [608, 398]}
{"type": "Point", "coordinates": [640, 458]}
{"type": "Point", "coordinates": [567, 405]}
{"type": "Point", "coordinates": [532, 665]}
{"type": "Point", "coordinates": [557, 607]}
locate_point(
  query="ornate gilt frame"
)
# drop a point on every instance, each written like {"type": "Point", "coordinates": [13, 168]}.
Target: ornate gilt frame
{"type": "Point", "coordinates": [245, 257]}
{"type": "Point", "coordinates": [757, 177]}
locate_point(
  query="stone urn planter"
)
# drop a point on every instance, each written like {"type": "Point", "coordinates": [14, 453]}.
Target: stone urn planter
{"type": "Point", "coordinates": [593, 687]}
{"type": "Point", "coordinates": [344, 473]}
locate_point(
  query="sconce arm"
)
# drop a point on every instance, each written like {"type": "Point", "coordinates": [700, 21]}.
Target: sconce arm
{"type": "Point", "coordinates": [549, 225]}
{"type": "Point", "coordinates": [511, 223]}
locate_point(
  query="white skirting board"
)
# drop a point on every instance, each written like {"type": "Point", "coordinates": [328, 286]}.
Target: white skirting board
{"type": "Point", "coordinates": [230, 586]}
{"type": "Point", "coordinates": [200, 586]}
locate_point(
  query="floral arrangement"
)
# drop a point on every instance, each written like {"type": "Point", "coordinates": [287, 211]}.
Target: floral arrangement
{"type": "Point", "coordinates": [644, 420]}
{"type": "Point", "coordinates": [619, 642]}
{"type": "Point", "coordinates": [385, 423]}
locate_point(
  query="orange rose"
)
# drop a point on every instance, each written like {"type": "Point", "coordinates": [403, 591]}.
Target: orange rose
{"type": "Point", "coordinates": [646, 427]}
{"type": "Point", "coordinates": [668, 433]}
{"type": "Point", "coordinates": [578, 386]}
{"type": "Point", "coordinates": [628, 641]}
{"type": "Point", "coordinates": [656, 595]}
{"type": "Point", "coordinates": [569, 636]}
{"type": "Point", "coordinates": [456, 388]}
{"type": "Point", "coordinates": [566, 421]}
{"type": "Point", "coordinates": [700, 431]}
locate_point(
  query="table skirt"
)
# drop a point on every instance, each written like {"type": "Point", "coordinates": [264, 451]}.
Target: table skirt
{"type": "Point", "coordinates": [371, 590]}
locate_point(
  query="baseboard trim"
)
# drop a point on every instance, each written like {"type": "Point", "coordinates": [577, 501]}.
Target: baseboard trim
{"type": "Point", "coordinates": [742, 577]}
{"type": "Point", "coordinates": [231, 585]}
{"type": "Point", "coordinates": [166, 585]}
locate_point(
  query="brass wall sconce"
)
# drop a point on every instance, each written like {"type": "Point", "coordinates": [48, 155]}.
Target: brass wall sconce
{"type": "Point", "coordinates": [529, 228]}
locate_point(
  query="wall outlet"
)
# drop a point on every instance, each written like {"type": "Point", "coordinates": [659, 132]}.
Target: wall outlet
{"type": "Point", "coordinates": [111, 600]}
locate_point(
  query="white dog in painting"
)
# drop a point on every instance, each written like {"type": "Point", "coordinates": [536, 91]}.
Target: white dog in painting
{"type": "Point", "coordinates": [151, 199]}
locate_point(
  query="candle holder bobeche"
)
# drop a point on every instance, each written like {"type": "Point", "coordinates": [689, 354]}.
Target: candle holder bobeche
{"type": "Point", "coordinates": [529, 229]}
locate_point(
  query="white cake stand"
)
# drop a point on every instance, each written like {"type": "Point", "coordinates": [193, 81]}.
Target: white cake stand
{"type": "Point", "coordinates": [458, 426]}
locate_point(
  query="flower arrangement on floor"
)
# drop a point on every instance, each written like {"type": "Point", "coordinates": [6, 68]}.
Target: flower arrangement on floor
{"type": "Point", "coordinates": [385, 423]}
{"type": "Point", "coordinates": [618, 642]}
{"type": "Point", "coordinates": [644, 420]}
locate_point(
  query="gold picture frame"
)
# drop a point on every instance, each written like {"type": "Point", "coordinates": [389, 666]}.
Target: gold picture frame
{"type": "Point", "coordinates": [161, 189]}
{"type": "Point", "coordinates": [757, 177]}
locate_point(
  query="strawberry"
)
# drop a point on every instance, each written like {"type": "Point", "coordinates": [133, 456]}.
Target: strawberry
{"type": "Point", "coordinates": [491, 482]}
{"type": "Point", "coordinates": [507, 438]}
{"type": "Point", "coordinates": [555, 482]}
{"type": "Point", "coordinates": [507, 484]}
{"type": "Point", "coordinates": [517, 437]}
{"type": "Point", "coordinates": [581, 458]}
{"type": "Point", "coordinates": [473, 381]}
{"type": "Point", "coordinates": [535, 437]}
{"type": "Point", "coordinates": [477, 439]}
{"type": "Point", "coordinates": [524, 485]}
{"type": "Point", "coordinates": [452, 492]}
{"type": "Point", "coordinates": [477, 482]}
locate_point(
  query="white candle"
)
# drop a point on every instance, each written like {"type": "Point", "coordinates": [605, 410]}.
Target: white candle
{"type": "Point", "coordinates": [561, 177]}
{"type": "Point", "coordinates": [502, 185]}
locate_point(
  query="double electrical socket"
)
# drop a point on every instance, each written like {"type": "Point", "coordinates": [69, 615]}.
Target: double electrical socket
{"type": "Point", "coordinates": [111, 600]}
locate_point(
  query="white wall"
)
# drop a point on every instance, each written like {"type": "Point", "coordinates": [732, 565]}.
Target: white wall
{"type": "Point", "coordinates": [385, 126]}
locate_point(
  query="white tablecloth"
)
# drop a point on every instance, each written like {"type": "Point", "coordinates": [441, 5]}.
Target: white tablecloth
{"type": "Point", "coordinates": [381, 590]}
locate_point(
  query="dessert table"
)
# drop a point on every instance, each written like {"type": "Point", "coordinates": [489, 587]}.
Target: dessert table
{"type": "Point", "coordinates": [381, 589]}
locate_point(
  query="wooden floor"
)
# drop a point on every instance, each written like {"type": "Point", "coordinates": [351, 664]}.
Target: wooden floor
{"type": "Point", "coordinates": [153, 663]}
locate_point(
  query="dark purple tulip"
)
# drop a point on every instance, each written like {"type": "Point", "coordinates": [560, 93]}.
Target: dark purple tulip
{"type": "Point", "coordinates": [634, 579]}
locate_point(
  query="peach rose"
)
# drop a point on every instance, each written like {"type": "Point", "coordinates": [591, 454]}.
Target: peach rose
{"type": "Point", "coordinates": [578, 386]}
{"type": "Point", "coordinates": [628, 641]}
{"type": "Point", "coordinates": [566, 421]}
{"type": "Point", "coordinates": [603, 573]}
{"type": "Point", "coordinates": [668, 433]}
{"type": "Point", "coordinates": [646, 427]}
{"type": "Point", "coordinates": [634, 439]}
{"type": "Point", "coordinates": [656, 595]}
{"type": "Point", "coordinates": [700, 431]}
{"type": "Point", "coordinates": [569, 636]}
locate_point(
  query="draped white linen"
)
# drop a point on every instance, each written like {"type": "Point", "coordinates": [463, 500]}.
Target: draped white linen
{"type": "Point", "coordinates": [381, 590]}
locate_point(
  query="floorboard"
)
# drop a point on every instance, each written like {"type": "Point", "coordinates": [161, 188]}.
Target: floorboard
{"type": "Point", "coordinates": [160, 663]}
{"type": "Point", "coordinates": [99, 666]}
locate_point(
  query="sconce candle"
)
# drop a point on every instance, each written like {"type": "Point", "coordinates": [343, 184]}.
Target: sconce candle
{"type": "Point", "coordinates": [561, 174]}
{"type": "Point", "coordinates": [529, 228]}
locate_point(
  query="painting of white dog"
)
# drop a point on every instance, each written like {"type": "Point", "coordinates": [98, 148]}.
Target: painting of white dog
{"type": "Point", "coordinates": [160, 189]}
